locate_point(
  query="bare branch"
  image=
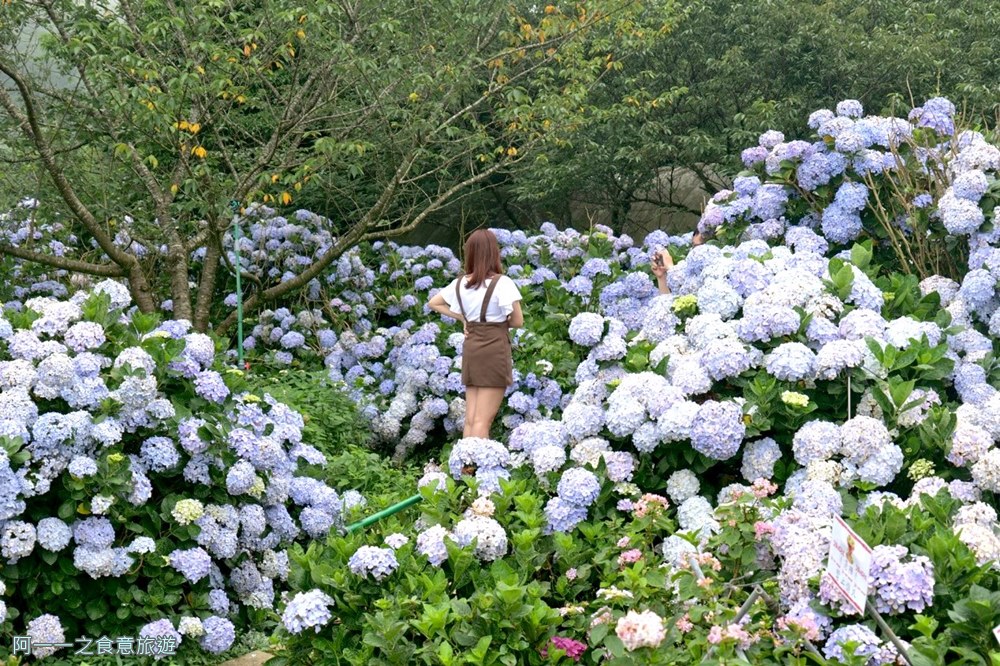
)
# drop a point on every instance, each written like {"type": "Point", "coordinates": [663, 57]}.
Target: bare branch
{"type": "Point", "coordinates": [437, 203]}
{"type": "Point", "coordinates": [29, 121]}
{"type": "Point", "coordinates": [64, 263]}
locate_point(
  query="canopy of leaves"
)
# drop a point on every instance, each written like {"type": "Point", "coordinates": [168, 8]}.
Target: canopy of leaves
{"type": "Point", "coordinates": [730, 70]}
{"type": "Point", "coordinates": [375, 114]}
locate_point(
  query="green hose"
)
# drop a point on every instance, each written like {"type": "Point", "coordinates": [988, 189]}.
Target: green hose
{"type": "Point", "coordinates": [375, 517]}
{"type": "Point", "coordinates": [235, 205]}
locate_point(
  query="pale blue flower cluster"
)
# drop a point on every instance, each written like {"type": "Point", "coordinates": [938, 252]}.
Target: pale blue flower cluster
{"type": "Point", "coordinates": [307, 610]}
{"type": "Point", "coordinates": [372, 561]}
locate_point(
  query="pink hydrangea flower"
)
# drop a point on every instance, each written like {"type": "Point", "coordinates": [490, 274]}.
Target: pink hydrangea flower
{"type": "Point", "coordinates": [573, 649]}
{"type": "Point", "coordinates": [629, 557]}
{"type": "Point", "coordinates": [804, 625]}
{"type": "Point", "coordinates": [763, 488]}
{"type": "Point", "coordinates": [761, 529]}
{"type": "Point", "coordinates": [650, 502]}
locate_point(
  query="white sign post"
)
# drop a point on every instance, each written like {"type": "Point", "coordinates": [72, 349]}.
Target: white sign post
{"type": "Point", "coordinates": [849, 563]}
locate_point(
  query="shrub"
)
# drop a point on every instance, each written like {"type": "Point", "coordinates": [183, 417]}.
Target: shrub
{"type": "Point", "coordinates": [806, 349]}
{"type": "Point", "coordinates": [139, 493]}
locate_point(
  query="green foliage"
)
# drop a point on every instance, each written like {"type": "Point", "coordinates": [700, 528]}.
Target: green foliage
{"type": "Point", "coordinates": [94, 599]}
{"type": "Point", "coordinates": [503, 612]}
{"type": "Point", "coordinates": [332, 421]}
{"type": "Point", "coordinates": [952, 630]}
{"type": "Point", "coordinates": [729, 70]}
{"type": "Point", "coordinates": [368, 114]}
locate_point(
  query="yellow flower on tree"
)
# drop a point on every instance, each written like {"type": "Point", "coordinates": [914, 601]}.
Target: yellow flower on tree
{"type": "Point", "coordinates": [199, 152]}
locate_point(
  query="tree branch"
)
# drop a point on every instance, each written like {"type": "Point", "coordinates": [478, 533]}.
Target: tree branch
{"type": "Point", "coordinates": [64, 263]}
{"type": "Point", "coordinates": [436, 204]}
{"type": "Point", "coordinates": [350, 239]}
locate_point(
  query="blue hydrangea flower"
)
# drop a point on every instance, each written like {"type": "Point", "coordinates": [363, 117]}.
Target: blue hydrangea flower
{"type": "Point", "coordinates": [937, 114]}
{"type": "Point", "coordinates": [219, 635]}
{"type": "Point", "coordinates": [718, 430]}
{"type": "Point", "coordinates": [791, 361]}
{"type": "Point", "coordinates": [95, 531]}
{"type": "Point", "coordinates": [579, 486]}
{"type": "Point", "coordinates": [759, 458]}
{"type": "Point", "coordinates": [868, 643]}
{"type": "Point", "coordinates": [307, 610]}
{"type": "Point", "coordinates": [372, 561]}
{"type": "Point", "coordinates": [958, 215]}
{"type": "Point", "coordinates": [563, 516]}
{"type": "Point", "coordinates": [586, 329]}
{"type": "Point", "coordinates": [17, 540]}
{"type": "Point", "coordinates": [82, 466]}
{"type": "Point", "coordinates": [240, 478]}
{"type": "Point", "coordinates": [840, 224]}
{"type": "Point", "coordinates": [850, 108]}
{"type": "Point", "coordinates": [193, 563]}
{"type": "Point", "coordinates": [159, 454]}
{"type": "Point", "coordinates": [53, 534]}
{"type": "Point", "coordinates": [45, 629]}
{"type": "Point", "coordinates": [900, 586]}
{"type": "Point", "coordinates": [430, 544]}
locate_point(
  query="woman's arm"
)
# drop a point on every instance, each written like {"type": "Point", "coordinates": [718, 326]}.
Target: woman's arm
{"type": "Point", "coordinates": [662, 262]}
{"type": "Point", "coordinates": [516, 318]}
{"type": "Point", "coordinates": [438, 304]}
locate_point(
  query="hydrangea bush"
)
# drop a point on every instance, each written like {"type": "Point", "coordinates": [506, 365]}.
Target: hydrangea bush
{"type": "Point", "coordinates": [833, 345]}
{"type": "Point", "coordinates": [829, 353]}
{"type": "Point", "coordinates": [142, 491]}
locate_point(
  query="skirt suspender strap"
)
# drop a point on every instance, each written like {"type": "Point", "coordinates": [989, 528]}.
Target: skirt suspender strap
{"type": "Point", "coordinates": [486, 299]}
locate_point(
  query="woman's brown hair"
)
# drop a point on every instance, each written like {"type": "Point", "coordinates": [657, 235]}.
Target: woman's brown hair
{"type": "Point", "coordinates": [482, 257]}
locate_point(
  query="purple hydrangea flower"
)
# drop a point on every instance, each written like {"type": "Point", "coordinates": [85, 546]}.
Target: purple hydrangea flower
{"type": "Point", "coordinates": [219, 634]}
{"type": "Point", "coordinates": [209, 385]}
{"type": "Point", "coordinates": [193, 563]}
{"type": "Point", "coordinates": [579, 487]}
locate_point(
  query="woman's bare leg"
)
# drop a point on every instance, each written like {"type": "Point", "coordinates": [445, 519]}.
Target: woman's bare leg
{"type": "Point", "coordinates": [488, 401]}
{"type": "Point", "coordinates": [471, 396]}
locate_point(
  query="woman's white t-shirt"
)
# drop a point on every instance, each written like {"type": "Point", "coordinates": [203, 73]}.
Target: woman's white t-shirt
{"type": "Point", "coordinates": [500, 306]}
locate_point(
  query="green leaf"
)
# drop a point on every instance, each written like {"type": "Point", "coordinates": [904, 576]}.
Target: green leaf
{"type": "Point", "coordinates": [67, 510]}
{"type": "Point", "coordinates": [445, 653]}
{"type": "Point", "coordinates": [478, 654]}
{"type": "Point", "coordinates": [900, 391]}
{"type": "Point", "coordinates": [861, 255]}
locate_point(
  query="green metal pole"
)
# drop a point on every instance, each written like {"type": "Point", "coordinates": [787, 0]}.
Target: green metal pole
{"type": "Point", "coordinates": [239, 287]}
{"type": "Point", "coordinates": [375, 517]}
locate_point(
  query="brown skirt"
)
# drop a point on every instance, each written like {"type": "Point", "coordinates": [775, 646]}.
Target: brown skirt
{"type": "Point", "coordinates": [486, 355]}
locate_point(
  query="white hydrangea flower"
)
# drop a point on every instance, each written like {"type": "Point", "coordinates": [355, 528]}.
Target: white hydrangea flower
{"type": "Point", "coordinates": [682, 485]}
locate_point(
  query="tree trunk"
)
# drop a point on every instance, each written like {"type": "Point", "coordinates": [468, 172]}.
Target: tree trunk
{"type": "Point", "coordinates": [138, 285]}
{"type": "Point", "coordinates": [206, 285]}
{"type": "Point", "coordinates": [180, 291]}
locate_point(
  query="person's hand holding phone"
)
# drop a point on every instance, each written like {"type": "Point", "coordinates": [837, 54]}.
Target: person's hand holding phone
{"type": "Point", "coordinates": [662, 262]}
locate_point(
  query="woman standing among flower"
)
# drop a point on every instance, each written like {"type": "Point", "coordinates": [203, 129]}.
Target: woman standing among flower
{"type": "Point", "coordinates": [489, 304]}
